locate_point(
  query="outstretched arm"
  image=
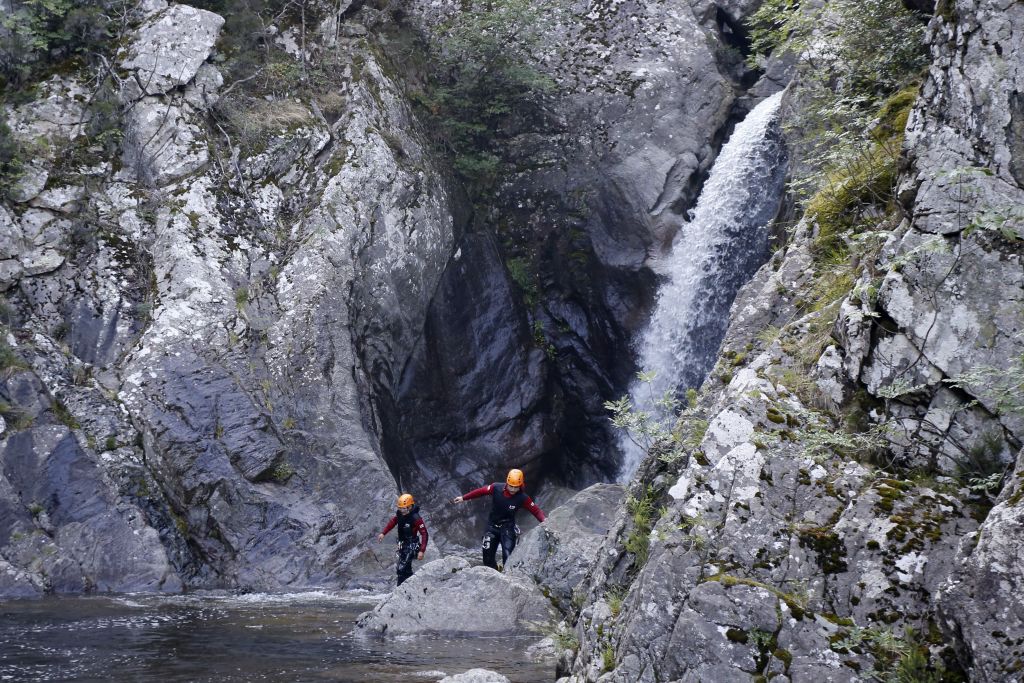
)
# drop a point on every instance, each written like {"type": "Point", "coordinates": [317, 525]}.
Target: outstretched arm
{"type": "Point", "coordinates": [475, 493]}
{"type": "Point", "coordinates": [390, 525]}
{"type": "Point", "coordinates": [533, 508]}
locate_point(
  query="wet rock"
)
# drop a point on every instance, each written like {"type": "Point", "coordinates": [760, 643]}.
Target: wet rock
{"type": "Point", "coordinates": [476, 676]}
{"type": "Point", "coordinates": [64, 525]}
{"type": "Point", "coordinates": [455, 414]}
{"type": "Point", "coordinates": [558, 554]}
{"type": "Point", "coordinates": [450, 597]}
{"type": "Point", "coordinates": [15, 583]}
{"type": "Point", "coordinates": [639, 103]}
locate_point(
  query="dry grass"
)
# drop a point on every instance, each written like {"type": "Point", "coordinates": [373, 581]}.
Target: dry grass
{"type": "Point", "coordinates": [253, 122]}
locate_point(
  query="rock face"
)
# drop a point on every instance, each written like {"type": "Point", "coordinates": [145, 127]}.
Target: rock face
{"type": "Point", "coordinates": [956, 281]}
{"type": "Point", "coordinates": [778, 556]}
{"type": "Point", "coordinates": [643, 95]}
{"type": "Point", "coordinates": [71, 520]}
{"type": "Point", "coordinates": [559, 554]}
{"type": "Point", "coordinates": [981, 602]}
{"type": "Point", "coordinates": [767, 556]}
{"type": "Point", "coordinates": [262, 312]}
{"type": "Point", "coordinates": [450, 597]}
{"type": "Point", "coordinates": [219, 313]}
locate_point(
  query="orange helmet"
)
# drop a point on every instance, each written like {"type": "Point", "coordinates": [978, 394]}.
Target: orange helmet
{"type": "Point", "coordinates": [405, 500]}
{"type": "Point", "coordinates": [514, 478]}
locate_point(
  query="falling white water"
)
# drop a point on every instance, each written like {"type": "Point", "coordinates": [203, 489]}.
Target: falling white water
{"type": "Point", "coordinates": [713, 256]}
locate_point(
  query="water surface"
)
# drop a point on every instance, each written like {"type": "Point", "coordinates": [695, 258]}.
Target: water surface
{"type": "Point", "coordinates": [221, 637]}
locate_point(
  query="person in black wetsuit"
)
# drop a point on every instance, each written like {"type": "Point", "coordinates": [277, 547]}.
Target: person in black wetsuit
{"type": "Point", "coordinates": [501, 525]}
{"type": "Point", "coordinates": [412, 535]}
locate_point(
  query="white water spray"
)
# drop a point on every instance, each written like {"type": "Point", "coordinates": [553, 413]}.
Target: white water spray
{"type": "Point", "coordinates": [713, 256]}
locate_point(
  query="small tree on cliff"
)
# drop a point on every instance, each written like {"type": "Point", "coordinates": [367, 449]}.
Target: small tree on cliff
{"type": "Point", "coordinates": [35, 32]}
{"type": "Point", "coordinates": [853, 56]}
{"type": "Point", "coordinates": [484, 80]}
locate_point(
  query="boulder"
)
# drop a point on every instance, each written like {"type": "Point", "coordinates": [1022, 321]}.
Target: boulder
{"type": "Point", "coordinates": [558, 554]}
{"type": "Point", "coordinates": [476, 676]}
{"type": "Point", "coordinates": [451, 597]}
{"type": "Point", "coordinates": [170, 48]}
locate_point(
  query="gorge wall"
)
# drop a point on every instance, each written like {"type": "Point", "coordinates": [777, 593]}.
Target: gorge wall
{"type": "Point", "coordinates": [241, 313]}
{"type": "Point", "coordinates": [829, 516]}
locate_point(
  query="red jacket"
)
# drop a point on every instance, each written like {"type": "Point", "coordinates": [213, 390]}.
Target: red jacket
{"type": "Point", "coordinates": [489, 489]}
{"type": "Point", "coordinates": [418, 527]}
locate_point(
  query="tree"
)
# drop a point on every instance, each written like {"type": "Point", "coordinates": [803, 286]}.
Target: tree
{"type": "Point", "coordinates": [36, 32]}
{"type": "Point", "coordinates": [483, 78]}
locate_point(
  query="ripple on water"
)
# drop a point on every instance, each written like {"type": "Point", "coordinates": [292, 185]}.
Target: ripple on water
{"type": "Point", "coordinates": [221, 636]}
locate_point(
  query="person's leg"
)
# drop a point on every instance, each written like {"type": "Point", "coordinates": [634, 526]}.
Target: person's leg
{"type": "Point", "coordinates": [508, 542]}
{"type": "Point", "coordinates": [490, 547]}
{"type": "Point", "coordinates": [404, 567]}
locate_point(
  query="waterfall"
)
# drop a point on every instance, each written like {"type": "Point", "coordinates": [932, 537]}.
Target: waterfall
{"type": "Point", "coordinates": [714, 254]}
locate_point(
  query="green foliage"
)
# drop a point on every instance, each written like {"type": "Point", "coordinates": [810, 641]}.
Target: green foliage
{"type": "Point", "coordinates": [859, 63]}
{"type": "Point", "coordinates": [858, 177]}
{"type": "Point", "coordinates": [646, 429]}
{"type": "Point", "coordinates": [482, 82]}
{"type": "Point", "coordinates": [822, 440]}
{"type": "Point", "coordinates": [34, 32]}
{"type": "Point", "coordinates": [268, 91]}
{"type": "Point", "coordinates": [541, 340]}
{"type": "Point", "coordinates": [981, 468]}
{"type": "Point", "coordinates": [898, 659]}
{"type": "Point", "coordinates": [638, 541]}
{"type": "Point", "coordinates": [10, 361]}
{"type": "Point", "coordinates": [854, 46]}
{"type": "Point", "coordinates": [12, 159]}
{"type": "Point", "coordinates": [16, 417]}
{"type": "Point", "coordinates": [520, 272]}
{"type": "Point", "coordinates": [281, 472]}
{"type": "Point", "coordinates": [565, 638]}
{"type": "Point", "coordinates": [64, 416]}
{"type": "Point", "coordinates": [607, 658]}
{"type": "Point", "coordinates": [614, 598]}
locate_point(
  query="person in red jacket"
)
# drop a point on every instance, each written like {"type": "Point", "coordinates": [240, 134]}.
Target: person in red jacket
{"type": "Point", "coordinates": [501, 525]}
{"type": "Point", "coordinates": [410, 525]}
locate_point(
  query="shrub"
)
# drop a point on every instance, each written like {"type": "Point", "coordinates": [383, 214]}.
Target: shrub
{"type": "Point", "coordinates": [481, 81]}
{"type": "Point", "coordinates": [12, 162]}
{"type": "Point", "coordinates": [855, 46]}
{"type": "Point", "coordinates": [643, 512]}
{"type": "Point", "coordinates": [35, 33]}
{"type": "Point", "coordinates": [854, 56]}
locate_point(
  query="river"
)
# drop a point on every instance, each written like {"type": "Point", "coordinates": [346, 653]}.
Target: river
{"type": "Point", "coordinates": [224, 637]}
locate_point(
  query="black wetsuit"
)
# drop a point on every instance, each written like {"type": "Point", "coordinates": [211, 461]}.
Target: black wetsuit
{"type": "Point", "coordinates": [501, 524]}
{"type": "Point", "coordinates": [412, 539]}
